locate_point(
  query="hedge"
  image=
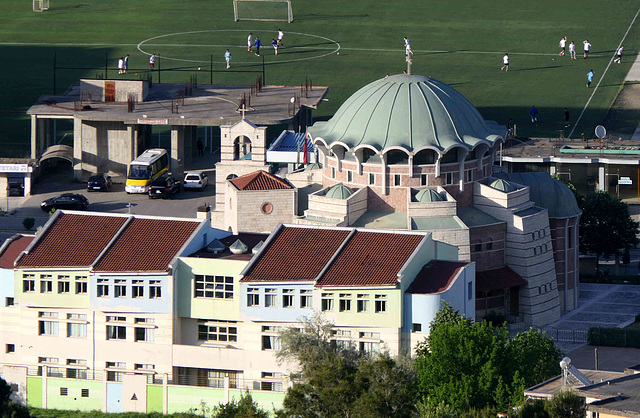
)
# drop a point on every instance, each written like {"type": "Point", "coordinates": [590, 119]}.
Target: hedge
{"type": "Point", "coordinates": [614, 337]}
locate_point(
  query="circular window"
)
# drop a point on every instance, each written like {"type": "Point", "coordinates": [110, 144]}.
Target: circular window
{"type": "Point", "coordinates": [267, 208]}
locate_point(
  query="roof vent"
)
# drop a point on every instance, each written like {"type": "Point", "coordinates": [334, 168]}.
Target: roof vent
{"type": "Point", "coordinates": [257, 247]}
{"type": "Point", "coordinates": [238, 247]}
{"type": "Point", "coordinates": [215, 247]}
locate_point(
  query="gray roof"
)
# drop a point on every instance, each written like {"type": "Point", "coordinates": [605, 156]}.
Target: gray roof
{"type": "Point", "coordinates": [427, 195]}
{"type": "Point", "coordinates": [412, 112]}
{"type": "Point", "coordinates": [339, 191]}
{"type": "Point", "coordinates": [547, 192]}
{"type": "Point", "coordinates": [472, 216]}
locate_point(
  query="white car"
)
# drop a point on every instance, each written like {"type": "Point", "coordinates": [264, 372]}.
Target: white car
{"type": "Point", "coordinates": [195, 180]}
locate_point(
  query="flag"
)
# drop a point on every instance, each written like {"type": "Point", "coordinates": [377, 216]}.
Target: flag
{"type": "Point", "coordinates": [304, 149]}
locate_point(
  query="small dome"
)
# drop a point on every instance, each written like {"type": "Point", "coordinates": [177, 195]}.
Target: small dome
{"type": "Point", "coordinates": [411, 112]}
{"type": "Point", "coordinates": [339, 191]}
{"type": "Point", "coordinates": [314, 166]}
{"type": "Point", "coordinates": [503, 186]}
{"type": "Point", "coordinates": [257, 247]}
{"type": "Point", "coordinates": [238, 247]}
{"type": "Point", "coordinates": [427, 195]}
{"type": "Point", "coordinates": [215, 246]}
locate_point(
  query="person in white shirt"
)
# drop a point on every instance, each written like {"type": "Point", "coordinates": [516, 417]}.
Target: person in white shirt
{"type": "Point", "coordinates": [407, 46]}
{"type": "Point", "coordinates": [280, 36]}
{"type": "Point", "coordinates": [619, 55]}
{"type": "Point", "coordinates": [586, 46]}
{"type": "Point", "coordinates": [572, 50]}
{"type": "Point", "coordinates": [249, 43]}
{"type": "Point", "coordinates": [505, 63]}
{"type": "Point", "coordinates": [121, 66]}
{"type": "Point", "coordinates": [563, 44]}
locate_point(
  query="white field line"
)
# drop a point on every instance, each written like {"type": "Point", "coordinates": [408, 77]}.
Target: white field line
{"type": "Point", "coordinates": [603, 74]}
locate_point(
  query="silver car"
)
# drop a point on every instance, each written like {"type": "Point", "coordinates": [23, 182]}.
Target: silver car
{"type": "Point", "coordinates": [195, 180]}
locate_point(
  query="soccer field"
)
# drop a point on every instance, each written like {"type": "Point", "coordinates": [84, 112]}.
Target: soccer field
{"type": "Point", "coordinates": [460, 42]}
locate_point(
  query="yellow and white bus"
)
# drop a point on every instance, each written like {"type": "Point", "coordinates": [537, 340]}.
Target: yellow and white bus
{"type": "Point", "coordinates": [149, 165]}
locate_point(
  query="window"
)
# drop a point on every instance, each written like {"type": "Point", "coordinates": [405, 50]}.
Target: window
{"type": "Point", "coordinates": [103, 287]}
{"type": "Point", "coordinates": [423, 179]}
{"type": "Point", "coordinates": [28, 283]}
{"type": "Point", "coordinates": [76, 330]}
{"type": "Point", "coordinates": [489, 244]}
{"type": "Point", "coordinates": [144, 334]}
{"type": "Point", "coordinates": [64, 391]}
{"type": "Point", "coordinates": [76, 316]}
{"type": "Point", "coordinates": [81, 285]}
{"type": "Point", "coordinates": [368, 334]}
{"type": "Point", "coordinates": [469, 290]}
{"type": "Point", "coordinates": [48, 314]}
{"type": "Point", "coordinates": [396, 179]}
{"type": "Point", "coordinates": [115, 332]}
{"type": "Point", "coordinates": [327, 302]}
{"type": "Point", "coordinates": [46, 283]}
{"type": "Point", "coordinates": [64, 285]}
{"type": "Point", "coordinates": [144, 321]}
{"type": "Point", "coordinates": [155, 290]}
{"type": "Point", "coordinates": [344, 302]}
{"type": "Point", "coordinates": [448, 178]}
{"type": "Point", "coordinates": [115, 365]}
{"type": "Point", "coordinates": [138, 366]}
{"type": "Point", "coordinates": [85, 393]}
{"type": "Point", "coordinates": [50, 360]}
{"type": "Point", "coordinates": [137, 288]}
{"type": "Point", "coordinates": [253, 296]}
{"type": "Point", "coordinates": [217, 332]}
{"type": "Point", "coordinates": [333, 172]}
{"type": "Point", "coordinates": [381, 303]}
{"type": "Point", "coordinates": [114, 376]}
{"type": "Point", "coordinates": [120, 288]}
{"type": "Point", "coordinates": [10, 348]}
{"type": "Point", "coordinates": [270, 342]}
{"type": "Point", "coordinates": [417, 327]}
{"type": "Point", "coordinates": [9, 302]}
{"type": "Point", "coordinates": [363, 303]}
{"type": "Point", "coordinates": [116, 319]}
{"type": "Point", "coordinates": [270, 385]}
{"type": "Point", "coordinates": [48, 328]}
{"type": "Point", "coordinates": [287, 298]}
{"type": "Point", "coordinates": [570, 237]}
{"type": "Point", "coordinates": [79, 373]}
{"type": "Point", "coordinates": [219, 287]}
{"type": "Point", "coordinates": [477, 247]}
{"type": "Point", "coordinates": [372, 178]}
{"type": "Point", "coordinates": [468, 176]}
{"type": "Point", "coordinates": [306, 298]}
{"type": "Point", "coordinates": [270, 298]}
{"type": "Point", "coordinates": [369, 347]}
{"type": "Point", "coordinates": [350, 176]}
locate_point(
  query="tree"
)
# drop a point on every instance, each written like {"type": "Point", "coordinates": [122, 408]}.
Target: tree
{"type": "Point", "coordinates": [605, 226]}
{"type": "Point", "coordinates": [28, 223]}
{"type": "Point", "coordinates": [566, 404]}
{"type": "Point", "coordinates": [243, 408]}
{"type": "Point", "coordinates": [534, 356]}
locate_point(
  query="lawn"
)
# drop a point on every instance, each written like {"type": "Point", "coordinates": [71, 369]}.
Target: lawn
{"type": "Point", "coordinates": [460, 42]}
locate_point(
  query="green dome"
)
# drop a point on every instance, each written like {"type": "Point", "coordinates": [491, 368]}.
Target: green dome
{"type": "Point", "coordinates": [503, 186]}
{"type": "Point", "coordinates": [339, 191]}
{"type": "Point", "coordinates": [412, 112]}
{"type": "Point", "coordinates": [427, 195]}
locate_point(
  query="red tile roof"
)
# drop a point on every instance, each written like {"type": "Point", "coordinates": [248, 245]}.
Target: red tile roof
{"type": "Point", "coordinates": [260, 180]}
{"type": "Point", "coordinates": [73, 240]}
{"type": "Point", "coordinates": [498, 279]}
{"type": "Point", "coordinates": [146, 245]}
{"type": "Point", "coordinates": [296, 254]}
{"type": "Point", "coordinates": [13, 250]}
{"type": "Point", "coordinates": [371, 259]}
{"type": "Point", "coordinates": [435, 277]}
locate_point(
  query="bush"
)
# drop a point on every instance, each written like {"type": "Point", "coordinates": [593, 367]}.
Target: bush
{"type": "Point", "coordinates": [28, 223]}
{"type": "Point", "coordinates": [614, 337]}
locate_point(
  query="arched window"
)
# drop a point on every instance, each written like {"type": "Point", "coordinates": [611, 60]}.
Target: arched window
{"type": "Point", "coordinates": [397, 157]}
{"type": "Point", "coordinates": [450, 157]}
{"type": "Point", "coordinates": [427, 156]}
{"type": "Point", "coordinates": [478, 246]}
{"type": "Point", "coordinates": [489, 244]}
{"type": "Point", "coordinates": [241, 148]}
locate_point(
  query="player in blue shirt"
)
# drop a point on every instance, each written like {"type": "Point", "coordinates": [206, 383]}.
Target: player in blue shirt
{"type": "Point", "coordinates": [589, 78]}
{"type": "Point", "coordinates": [257, 44]}
{"type": "Point", "coordinates": [227, 57]}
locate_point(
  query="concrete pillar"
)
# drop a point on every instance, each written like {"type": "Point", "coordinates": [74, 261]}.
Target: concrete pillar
{"type": "Point", "coordinates": [410, 166]}
{"type": "Point", "coordinates": [41, 136]}
{"type": "Point", "coordinates": [165, 394]}
{"type": "Point", "coordinates": [438, 157]}
{"type": "Point", "coordinates": [552, 169]}
{"type": "Point", "coordinates": [601, 178]}
{"type": "Point", "coordinates": [45, 373]}
{"type": "Point", "coordinates": [34, 138]}
{"type": "Point", "coordinates": [28, 178]}
{"type": "Point", "coordinates": [177, 151]}
{"type": "Point", "coordinates": [383, 181]}
{"type": "Point", "coordinates": [77, 149]}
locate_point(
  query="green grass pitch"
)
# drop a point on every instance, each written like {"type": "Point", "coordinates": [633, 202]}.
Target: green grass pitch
{"type": "Point", "coordinates": [460, 42]}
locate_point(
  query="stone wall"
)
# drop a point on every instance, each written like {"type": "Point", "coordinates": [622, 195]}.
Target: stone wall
{"type": "Point", "coordinates": [258, 210]}
{"type": "Point", "coordinates": [491, 239]}
{"type": "Point", "coordinates": [95, 89]}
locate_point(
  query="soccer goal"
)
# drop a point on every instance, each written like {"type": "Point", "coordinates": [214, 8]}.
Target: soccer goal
{"type": "Point", "coordinates": [265, 10]}
{"type": "Point", "coordinates": [40, 5]}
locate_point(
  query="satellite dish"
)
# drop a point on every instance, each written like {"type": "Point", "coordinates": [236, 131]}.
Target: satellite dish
{"type": "Point", "coordinates": [600, 131]}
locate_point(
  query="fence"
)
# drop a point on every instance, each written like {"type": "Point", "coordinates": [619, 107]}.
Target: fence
{"type": "Point", "coordinates": [560, 335]}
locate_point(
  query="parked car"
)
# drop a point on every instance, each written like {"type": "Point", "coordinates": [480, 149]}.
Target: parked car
{"type": "Point", "coordinates": [164, 187]}
{"type": "Point", "coordinates": [196, 180]}
{"type": "Point", "coordinates": [65, 201]}
{"type": "Point", "coordinates": [100, 182]}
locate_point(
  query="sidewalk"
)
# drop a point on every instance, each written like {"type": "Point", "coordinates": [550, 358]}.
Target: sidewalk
{"type": "Point", "coordinates": [634, 76]}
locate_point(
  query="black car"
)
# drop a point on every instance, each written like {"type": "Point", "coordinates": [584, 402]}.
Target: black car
{"type": "Point", "coordinates": [164, 187]}
{"type": "Point", "coordinates": [100, 182]}
{"type": "Point", "coordinates": [65, 201]}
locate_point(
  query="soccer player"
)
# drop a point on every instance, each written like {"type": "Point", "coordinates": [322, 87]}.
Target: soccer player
{"type": "Point", "coordinates": [619, 55]}
{"type": "Point", "coordinates": [505, 62]}
{"type": "Point", "coordinates": [257, 44]}
{"type": "Point", "coordinates": [563, 43]}
{"type": "Point", "coordinates": [227, 58]}
{"type": "Point", "coordinates": [589, 78]}
{"type": "Point", "coordinates": [533, 112]}
{"type": "Point", "coordinates": [249, 43]}
{"type": "Point", "coordinates": [152, 61]}
{"type": "Point", "coordinates": [280, 36]}
{"type": "Point", "coordinates": [126, 64]}
{"type": "Point", "coordinates": [407, 47]}
{"type": "Point", "coordinates": [274, 43]}
{"type": "Point", "coordinates": [121, 66]}
{"type": "Point", "coordinates": [586, 45]}
{"type": "Point", "coordinates": [572, 50]}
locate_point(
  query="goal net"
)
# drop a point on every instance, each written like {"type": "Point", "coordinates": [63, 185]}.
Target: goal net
{"type": "Point", "coordinates": [265, 10]}
{"type": "Point", "coordinates": [40, 5]}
